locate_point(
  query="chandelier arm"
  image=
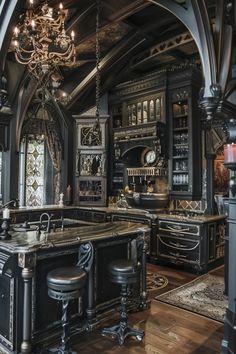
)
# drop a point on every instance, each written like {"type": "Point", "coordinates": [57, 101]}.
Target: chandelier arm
{"type": "Point", "coordinates": [41, 40]}
{"type": "Point", "coordinates": [59, 55]}
{"type": "Point", "coordinates": [21, 60]}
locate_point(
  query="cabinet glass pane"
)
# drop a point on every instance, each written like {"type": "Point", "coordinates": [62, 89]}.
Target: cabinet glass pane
{"type": "Point", "coordinates": [129, 115]}
{"type": "Point", "coordinates": [151, 111]}
{"type": "Point", "coordinates": [134, 115]}
{"type": "Point", "coordinates": [180, 151]}
{"type": "Point", "coordinates": [90, 191]}
{"type": "Point", "coordinates": [158, 108]}
{"type": "Point", "coordinates": [145, 111]}
{"type": "Point", "coordinates": [139, 112]}
{"type": "Point", "coordinates": [91, 164]}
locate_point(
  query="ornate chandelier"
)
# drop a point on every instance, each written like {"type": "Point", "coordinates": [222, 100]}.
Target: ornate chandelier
{"type": "Point", "coordinates": [40, 39]}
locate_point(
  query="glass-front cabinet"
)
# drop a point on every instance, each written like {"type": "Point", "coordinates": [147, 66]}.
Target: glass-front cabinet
{"type": "Point", "coordinates": [91, 162]}
{"type": "Point", "coordinates": [185, 143]}
{"type": "Point", "coordinates": [145, 110]}
{"type": "Point", "coordinates": [180, 141]}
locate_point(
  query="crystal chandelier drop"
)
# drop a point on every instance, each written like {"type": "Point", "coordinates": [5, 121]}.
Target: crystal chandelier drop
{"type": "Point", "coordinates": [40, 39]}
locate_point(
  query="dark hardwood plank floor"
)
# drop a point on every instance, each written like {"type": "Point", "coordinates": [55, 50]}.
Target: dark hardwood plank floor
{"type": "Point", "coordinates": [167, 329]}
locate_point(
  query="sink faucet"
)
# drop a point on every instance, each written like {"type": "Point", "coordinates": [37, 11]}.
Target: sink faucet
{"type": "Point", "coordinates": [48, 220]}
{"type": "Point", "coordinates": [13, 201]}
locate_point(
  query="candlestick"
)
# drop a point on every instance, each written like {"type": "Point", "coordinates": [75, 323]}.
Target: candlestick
{"type": "Point", "coordinates": [61, 199]}
{"type": "Point", "coordinates": [230, 156]}
{"type": "Point", "coordinates": [6, 213]}
{"type": "Point", "coordinates": [68, 195]}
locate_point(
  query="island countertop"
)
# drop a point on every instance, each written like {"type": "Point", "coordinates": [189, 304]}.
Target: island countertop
{"type": "Point", "coordinates": [29, 241]}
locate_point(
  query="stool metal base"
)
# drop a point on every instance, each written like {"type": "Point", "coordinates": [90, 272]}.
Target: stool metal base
{"type": "Point", "coordinates": [122, 331]}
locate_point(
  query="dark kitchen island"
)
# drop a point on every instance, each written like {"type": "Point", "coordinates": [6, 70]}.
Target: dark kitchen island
{"type": "Point", "coordinates": [29, 316]}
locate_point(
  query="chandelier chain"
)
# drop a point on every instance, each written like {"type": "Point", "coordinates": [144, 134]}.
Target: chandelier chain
{"type": "Point", "coordinates": [98, 74]}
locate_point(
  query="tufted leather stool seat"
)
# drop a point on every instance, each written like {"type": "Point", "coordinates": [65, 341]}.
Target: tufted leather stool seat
{"type": "Point", "coordinates": [66, 282]}
{"type": "Point", "coordinates": [124, 272]}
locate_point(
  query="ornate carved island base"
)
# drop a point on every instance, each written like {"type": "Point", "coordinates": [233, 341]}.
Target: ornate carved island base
{"type": "Point", "coordinates": [29, 318]}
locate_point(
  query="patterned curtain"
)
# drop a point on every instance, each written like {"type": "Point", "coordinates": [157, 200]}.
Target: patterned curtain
{"type": "Point", "coordinates": [54, 147]}
{"type": "Point", "coordinates": [50, 129]}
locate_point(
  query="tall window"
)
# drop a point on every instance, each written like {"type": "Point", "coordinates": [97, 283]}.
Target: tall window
{"type": "Point", "coordinates": [32, 171]}
{"type": "Point", "coordinates": [40, 159]}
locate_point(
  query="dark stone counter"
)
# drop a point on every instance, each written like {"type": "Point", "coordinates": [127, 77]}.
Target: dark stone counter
{"type": "Point", "coordinates": [30, 241]}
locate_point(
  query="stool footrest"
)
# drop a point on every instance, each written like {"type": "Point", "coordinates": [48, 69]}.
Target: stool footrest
{"type": "Point", "coordinates": [121, 332]}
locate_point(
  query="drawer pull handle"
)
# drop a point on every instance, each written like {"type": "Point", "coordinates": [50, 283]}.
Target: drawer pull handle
{"type": "Point", "coordinates": [178, 246]}
{"type": "Point", "coordinates": [177, 255]}
{"type": "Point", "coordinates": [177, 229]}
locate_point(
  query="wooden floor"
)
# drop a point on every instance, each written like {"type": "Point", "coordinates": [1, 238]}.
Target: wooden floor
{"type": "Point", "coordinates": [168, 330]}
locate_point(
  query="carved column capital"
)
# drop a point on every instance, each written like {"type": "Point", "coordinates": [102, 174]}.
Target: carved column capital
{"type": "Point", "coordinates": [209, 104]}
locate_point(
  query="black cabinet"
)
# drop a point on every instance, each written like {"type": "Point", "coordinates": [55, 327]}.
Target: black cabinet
{"type": "Point", "coordinates": [90, 186]}
{"type": "Point", "coordinates": [185, 137]}
{"type": "Point", "coordinates": [192, 244]}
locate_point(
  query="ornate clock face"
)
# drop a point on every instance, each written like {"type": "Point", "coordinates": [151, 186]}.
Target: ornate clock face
{"type": "Point", "coordinates": [150, 157]}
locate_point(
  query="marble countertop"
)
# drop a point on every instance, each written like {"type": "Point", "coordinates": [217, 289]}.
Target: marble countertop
{"type": "Point", "coordinates": [29, 241]}
{"type": "Point", "coordinates": [112, 209]}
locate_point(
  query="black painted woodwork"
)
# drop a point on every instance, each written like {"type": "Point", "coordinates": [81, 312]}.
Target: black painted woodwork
{"type": "Point", "coordinates": [31, 317]}
{"type": "Point", "coordinates": [4, 135]}
{"type": "Point", "coordinates": [192, 245]}
{"type": "Point", "coordinates": [185, 183]}
{"type": "Point", "coordinates": [90, 187]}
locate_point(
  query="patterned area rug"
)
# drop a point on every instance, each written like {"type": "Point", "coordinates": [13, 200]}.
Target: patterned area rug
{"type": "Point", "coordinates": [156, 281]}
{"type": "Point", "coordinates": [203, 295]}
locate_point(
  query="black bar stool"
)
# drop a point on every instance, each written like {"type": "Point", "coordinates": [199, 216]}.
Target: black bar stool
{"type": "Point", "coordinates": [126, 273]}
{"type": "Point", "coordinates": [66, 284]}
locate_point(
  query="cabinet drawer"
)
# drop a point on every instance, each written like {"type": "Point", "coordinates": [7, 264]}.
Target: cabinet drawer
{"type": "Point", "coordinates": [179, 228]}
{"type": "Point", "coordinates": [178, 249]}
{"type": "Point", "coordinates": [179, 257]}
{"type": "Point", "coordinates": [178, 244]}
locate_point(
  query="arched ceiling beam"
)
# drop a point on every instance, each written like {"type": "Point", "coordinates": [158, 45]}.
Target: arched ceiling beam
{"type": "Point", "coordinates": [122, 48]}
{"type": "Point", "coordinates": [194, 16]}
{"type": "Point", "coordinates": [79, 16]}
{"type": "Point", "coordinates": [26, 93]}
{"type": "Point", "coordinates": [8, 11]}
{"type": "Point", "coordinates": [215, 55]}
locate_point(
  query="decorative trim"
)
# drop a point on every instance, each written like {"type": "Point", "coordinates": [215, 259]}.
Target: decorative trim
{"type": "Point", "coordinates": [11, 310]}
{"type": "Point", "coordinates": [154, 80]}
{"type": "Point", "coordinates": [26, 260]}
{"type": "Point", "coordinates": [162, 47]}
{"type": "Point", "coordinates": [3, 260]}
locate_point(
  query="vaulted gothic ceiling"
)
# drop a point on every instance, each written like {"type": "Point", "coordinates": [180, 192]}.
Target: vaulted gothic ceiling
{"type": "Point", "coordinates": [136, 36]}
